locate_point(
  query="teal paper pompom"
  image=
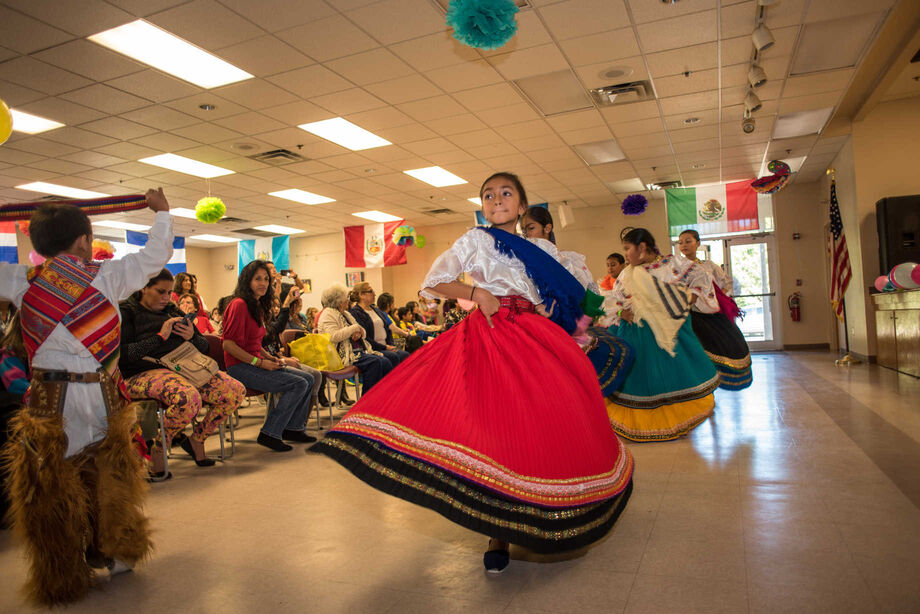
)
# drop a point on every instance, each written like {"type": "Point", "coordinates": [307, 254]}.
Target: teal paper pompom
{"type": "Point", "coordinates": [482, 24]}
{"type": "Point", "coordinates": [210, 209]}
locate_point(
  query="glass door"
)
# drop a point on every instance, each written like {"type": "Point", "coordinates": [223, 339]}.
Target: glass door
{"type": "Point", "coordinates": [751, 263]}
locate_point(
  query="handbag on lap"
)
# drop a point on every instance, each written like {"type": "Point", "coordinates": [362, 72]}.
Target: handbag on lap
{"type": "Point", "coordinates": [188, 362]}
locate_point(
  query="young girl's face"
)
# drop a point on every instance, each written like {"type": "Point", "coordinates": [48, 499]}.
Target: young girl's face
{"type": "Point", "coordinates": [688, 245]}
{"type": "Point", "coordinates": [634, 254]}
{"type": "Point", "coordinates": [614, 267]}
{"type": "Point", "coordinates": [187, 305]}
{"type": "Point", "coordinates": [535, 230]}
{"type": "Point", "coordinates": [501, 201]}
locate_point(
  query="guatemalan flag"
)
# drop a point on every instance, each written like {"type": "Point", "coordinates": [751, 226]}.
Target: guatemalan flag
{"type": "Point", "coordinates": [277, 249]}
{"type": "Point", "coordinates": [372, 247]}
{"type": "Point", "coordinates": [136, 240]}
{"type": "Point", "coordinates": [8, 251]}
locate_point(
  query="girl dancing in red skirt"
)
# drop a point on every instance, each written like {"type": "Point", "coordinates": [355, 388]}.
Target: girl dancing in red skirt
{"type": "Point", "coordinates": [499, 424]}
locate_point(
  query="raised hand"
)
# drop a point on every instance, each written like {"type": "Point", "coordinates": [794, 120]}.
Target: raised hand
{"type": "Point", "coordinates": [156, 200]}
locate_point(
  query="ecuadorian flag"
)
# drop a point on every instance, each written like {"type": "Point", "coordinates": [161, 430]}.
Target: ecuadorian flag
{"type": "Point", "coordinates": [8, 251]}
{"type": "Point", "coordinates": [277, 249]}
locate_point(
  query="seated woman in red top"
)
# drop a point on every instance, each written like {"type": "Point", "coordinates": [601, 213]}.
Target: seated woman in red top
{"type": "Point", "coordinates": [243, 327]}
{"type": "Point", "coordinates": [186, 283]}
{"type": "Point", "coordinates": [188, 303]}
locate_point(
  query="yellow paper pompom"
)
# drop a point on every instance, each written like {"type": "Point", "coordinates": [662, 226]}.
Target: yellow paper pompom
{"type": "Point", "coordinates": [210, 209]}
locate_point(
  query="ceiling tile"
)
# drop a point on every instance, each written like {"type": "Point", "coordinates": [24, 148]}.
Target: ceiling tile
{"type": "Point", "coordinates": [618, 114]}
{"type": "Point", "coordinates": [530, 33]}
{"type": "Point", "coordinates": [206, 24]}
{"type": "Point", "coordinates": [104, 98]}
{"type": "Point", "coordinates": [160, 117]}
{"type": "Point", "coordinates": [455, 125]}
{"type": "Point", "coordinates": [93, 158]}
{"type": "Point", "coordinates": [40, 147]}
{"type": "Point", "coordinates": [39, 76]}
{"type": "Point", "coordinates": [348, 101]}
{"type": "Point", "coordinates": [154, 85]}
{"type": "Point", "coordinates": [392, 21]}
{"type": "Point", "coordinates": [488, 97]}
{"type": "Point", "coordinates": [165, 142]}
{"type": "Point", "coordinates": [265, 55]}
{"type": "Point", "coordinates": [693, 58]}
{"type": "Point", "coordinates": [431, 108]}
{"type": "Point", "coordinates": [817, 83]}
{"type": "Point", "coordinates": [370, 67]}
{"type": "Point", "coordinates": [642, 126]}
{"type": "Point", "coordinates": [508, 115]}
{"type": "Point", "coordinates": [404, 89]}
{"type": "Point", "coordinates": [89, 60]}
{"type": "Point", "coordinates": [643, 11]}
{"type": "Point", "coordinates": [602, 47]}
{"type": "Point", "coordinates": [809, 103]}
{"type": "Point", "coordinates": [824, 10]}
{"type": "Point", "coordinates": [255, 94]}
{"type": "Point", "coordinates": [582, 17]}
{"type": "Point", "coordinates": [79, 18]}
{"type": "Point", "coordinates": [310, 81]}
{"type": "Point", "coordinates": [386, 117]}
{"type": "Point", "coordinates": [598, 75]}
{"type": "Point", "coordinates": [527, 62]}
{"type": "Point", "coordinates": [25, 35]}
{"type": "Point", "coordinates": [61, 110]}
{"type": "Point", "coordinates": [248, 123]}
{"type": "Point", "coordinates": [77, 137]}
{"type": "Point", "coordinates": [693, 29]}
{"type": "Point", "coordinates": [206, 133]}
{"type": "Point", "coordinates": [739, 19]}
{"type": "Point", "coordinates": [324, 39]}
{"type": "Point", "coordinates": [434, 51]}
{"type": "Point", "coordinates": [576, 120]}
{"type": "Point", "coordinates": [296, 113]}
{"type": "Point", "coordinates": [16, 95]}
{"type": "Point", "coordinates": [690, 102]}
{"type": "Point", "coordinates": [274, 15]}
{"type": "Point", "coordinates": [61, 167]}
{"type": "Point", "coordinates": [462, 77]}
{"type": "Point", "coordinates": [698, 81]}
{"type": "Point", "coordinates": [118, 128]}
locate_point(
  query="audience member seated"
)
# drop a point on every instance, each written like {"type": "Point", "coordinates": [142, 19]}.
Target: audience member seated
{"type": "Point", "coordinates": [312, 316]}
{"type": "Point", "coordinates": [151, 327]}
{"type": "Point", "coordinates": [414, 341]}
{"type": "Point", "coordinates": [423, 330]}
{"type": "Point", "coordinates": [387, 304]}
{"type": "Point", "coordinates": [221, 309]}
{"type": "Point", "coordinates": [215, 317]}
{"type": "Point", "coordinates": [453, 313]}
{"type": "Point", "coordinates": [186, 283]}
{"type": "Point", "coordinates": [295, 319]}
{"type": "Point", "coordinates": [188, 303]}
{"type": "Point", "coordinates": [348, 337]}
{"type": "Point", "coordinates": [14, 369]}
{"type": "Point", "coordinates": [243, 329]}
{"type": "Point", "coordinates": [374, 322]}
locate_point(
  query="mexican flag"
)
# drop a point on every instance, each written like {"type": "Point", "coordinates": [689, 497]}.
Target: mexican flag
{"type": "Point", "coordinates": [277, 249]}
{"type": "Point", "coordinates": [371, 246]}
{"type": "Point", "coordinates": [713, 209]}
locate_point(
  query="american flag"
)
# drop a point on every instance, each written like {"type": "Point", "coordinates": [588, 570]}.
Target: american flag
{"type": "Point", "coordinates": [840, 257]}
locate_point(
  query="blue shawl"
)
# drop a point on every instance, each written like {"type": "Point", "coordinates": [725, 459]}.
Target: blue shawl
{"type": "Point", "coordinates": [558, 288]}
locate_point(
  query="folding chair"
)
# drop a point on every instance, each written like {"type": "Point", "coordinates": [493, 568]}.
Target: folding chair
{"type": "Point", "coordinates": [339, 377]}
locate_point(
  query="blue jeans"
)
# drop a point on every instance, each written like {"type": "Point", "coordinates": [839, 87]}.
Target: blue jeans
{"type": "Point", "coordinates": [395, 356]}
{"type": "Point", "coordinates": [295, 386]}
{"type": "Point", "coordinates": [373, 368]}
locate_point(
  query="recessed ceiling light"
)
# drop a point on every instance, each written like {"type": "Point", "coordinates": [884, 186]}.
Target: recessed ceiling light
{"type": "Point", "coordinates": [59, 190]}
{"type": "Point", "coordinates": [343, 132]}
{"type": "Point", "coordinates": [698, 165]}
{"type": "Point", "coordinates": [32, 124]}
{"type": "Point", "coordinates": [302, 196]}
{"type": "Point", "coordinates": [207, 107]}
{"type": "Point", "coordinates": [599, 152]}
{"type": "Point", "coordinates": [122, 225]}
{"type": "Point", "coordinates": [377, 216]}
{"type": "Point", "coordinates": [182, 212]}
{"type": "Point", "coordinates": [692, 120]}
{"type": "Point", "coordinates": [475, 201]}
{"type": "Point", "coordinates": [151, 45]}
{"type": "Point", "coordinates": [186, 165]}
{"type": "Point", "coordinates": [280, 230]}
{"type": "Point", "coordinates": [436, 176]}
{"type": "Point", "coordinates": [214, 238]}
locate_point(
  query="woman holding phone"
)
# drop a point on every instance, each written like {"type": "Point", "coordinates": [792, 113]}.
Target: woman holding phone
{"type": "Point", "coordinates": [189, 305]}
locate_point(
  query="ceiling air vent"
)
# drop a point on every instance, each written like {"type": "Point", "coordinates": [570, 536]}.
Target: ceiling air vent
{"type": "Point", "coordinates": [438, 211]}
{"type": "Point", "coordinates": [277, 157]}
{"type": "Point", "coordinates": [664, 185]}
{"type": "Point", "coordinates": [622, 93]}
{"type": "Point", "coordinates": [230, 220]}
{"type": "Point", "coordinates": [255, 233]}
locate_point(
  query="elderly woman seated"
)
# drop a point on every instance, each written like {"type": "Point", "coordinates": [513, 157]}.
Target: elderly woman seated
{"type": "Point", "coordinates": [348, 337]}
{"type": "Point", "coordinates": [375, 322]}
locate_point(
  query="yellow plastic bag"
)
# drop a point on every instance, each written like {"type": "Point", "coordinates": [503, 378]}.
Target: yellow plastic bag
{"type": "Point", "coordinates": [317, 351]}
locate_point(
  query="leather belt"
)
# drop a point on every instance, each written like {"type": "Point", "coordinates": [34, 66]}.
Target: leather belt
{"type": "Point", "coordinates": [42, 375]}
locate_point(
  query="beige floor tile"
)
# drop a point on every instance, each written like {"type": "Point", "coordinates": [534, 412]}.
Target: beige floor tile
{"type": "Point", "coordinates": [575, 586]}
{"type": "Point", "coordinates": [692, 558]}
{"type": "Point", "coordinates": [892, 581]}
{"type": "Point", "coordinates": [813, 598]}
{"type": "Point", "coordinates": [665, 594]}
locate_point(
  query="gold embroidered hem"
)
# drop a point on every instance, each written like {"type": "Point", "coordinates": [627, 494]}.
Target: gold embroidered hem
{"type": "Point", "coordinates": [663, 423]}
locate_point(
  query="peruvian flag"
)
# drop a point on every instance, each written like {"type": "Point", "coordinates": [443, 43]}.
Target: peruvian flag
{"type": "Point", "coordinates": [371, 246]}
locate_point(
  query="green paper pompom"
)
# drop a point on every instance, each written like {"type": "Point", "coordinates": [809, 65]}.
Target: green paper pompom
{"type": "Point", "coordinates": [420, 241]}
{"type": "Point", "coordinates": [210, 209]}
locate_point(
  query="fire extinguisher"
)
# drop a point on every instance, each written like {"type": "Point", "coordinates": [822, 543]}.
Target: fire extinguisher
{"type": "Point", "coordinates": [795, 306]}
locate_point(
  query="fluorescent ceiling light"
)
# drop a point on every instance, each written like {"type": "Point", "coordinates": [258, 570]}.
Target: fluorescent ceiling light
{"type": "Point", "coordinates": [214, 238]}
{"type": "Point", "coordinates": [377, 216]}
{"type": "Point", "coordinates": [302, 196]}
{"type": "Point", "coordinates": [32, 124]}
{"type": "Point", "coordinates": [436, 176]}
{"type": "Point", "coordinates": [802, 123]}
{"type": "Point", "coordinates": [186, 165]}
{"type": "Point", "coordinates": [343, 132]}
{"type": "Point", "coordinates": [182, 212]}
{"type": "Point", "coordinates": [59, 190]}
{"type": "Point", "coordinates": [280, 230]}
{"type": "Point", "coordinates": [475, 201]}
{"type": "Point", "coordinates": [151, 45]}
{"type": "Point", "coordinates": [599, 152]}
{"type": "Point", "coordinates": [122, 225]}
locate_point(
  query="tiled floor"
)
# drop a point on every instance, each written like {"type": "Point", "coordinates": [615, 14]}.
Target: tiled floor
{"type": "Point", "coordinates": [799, 495]}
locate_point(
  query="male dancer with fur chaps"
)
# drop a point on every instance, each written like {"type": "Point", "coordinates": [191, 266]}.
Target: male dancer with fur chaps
{"type": "Point", "coordinates": [76, 482]}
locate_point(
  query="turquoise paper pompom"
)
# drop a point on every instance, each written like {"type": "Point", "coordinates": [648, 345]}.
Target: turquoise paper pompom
{"type": "Point", "coordinates": [482, 24]}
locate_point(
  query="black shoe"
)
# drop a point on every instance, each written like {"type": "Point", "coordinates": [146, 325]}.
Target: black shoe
{"type": "Point", "coordinates": [495, 561]}
{"type": "Point", "coordinates": [298, 436]}
{"type": "Point", "coordinates": [346, 402]}
{"type": "Point", "coordinates": [273, 443]}
{"type": "Point", "coordinates": [186, 444]}
{"type": "Point", "coordinates": [158, 476]}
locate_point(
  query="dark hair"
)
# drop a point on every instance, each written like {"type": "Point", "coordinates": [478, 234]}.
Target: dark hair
{"type": "Point", "coordinates": [692, 233]}
{"type": "Point", "coordinates": [541, 216]}
{"type": "Point", "coordinates": [163, 275]}
{"type": "Point", "coordinates": [510, 177]}
{"type": "Point", "coordinates": [54, 227]}
{"type": "Point", "coordinates": [194, 300]}
{"type": "Point", "coordinates": [403, 311]}
{"type": "Point", "coordinates": [618, 257]}
{"type": "Point", "coordinates": [180, 279]}
{"type": "Point", "coordinates": [261, 308]}
{"type": "Point", "coordinates": [222, 303]}
{"type": "Point", "coordinates": [450, 303]}
{"type": "Point", "coordinates": [12, 339]}
{"type": "Point", "coordinates": [385, 302]}
{"type": "Point", "coordinates": [635, 236]}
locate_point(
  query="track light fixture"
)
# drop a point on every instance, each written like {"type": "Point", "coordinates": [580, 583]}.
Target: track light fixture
{"type": "Point", "coordinates": [762, 37]}
{"type": "Point", "coordinates": [756, 76]}
{"type": "Point", "coordinates": [752, 103]}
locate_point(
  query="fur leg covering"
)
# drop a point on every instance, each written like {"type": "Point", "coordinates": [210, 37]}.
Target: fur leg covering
{"type": "Point", "coordinates": [123, 530]}
{"type": "Point", "coordinates": [49, 509]}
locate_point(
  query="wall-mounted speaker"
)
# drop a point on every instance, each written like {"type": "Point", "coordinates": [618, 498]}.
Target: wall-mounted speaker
{"type": "Point", "coordinates": [898, 221]}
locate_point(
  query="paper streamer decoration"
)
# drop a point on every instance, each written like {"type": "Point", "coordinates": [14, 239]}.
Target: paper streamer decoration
{"type": "Point", "coordinates": [775, 182]}
{"type": "Point", "coordinates": [92, 206]}
{"type": "Point", "coordinates": [404, 236]}
{"type": "Point", "coordinates": [102, 250]}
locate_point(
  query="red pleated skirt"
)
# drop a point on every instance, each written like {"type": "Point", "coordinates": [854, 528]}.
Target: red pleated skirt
{"type": "Point", "coordinates": [502, 429]}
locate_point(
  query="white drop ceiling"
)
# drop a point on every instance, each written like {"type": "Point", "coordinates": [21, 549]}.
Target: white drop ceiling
{"type": "Point", "coordinates": [393, 68]}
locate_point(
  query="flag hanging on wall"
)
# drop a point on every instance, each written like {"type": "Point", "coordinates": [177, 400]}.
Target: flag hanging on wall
{"type": "Point", "coordinates": [277, 249]}
{"type": "Point", "coordinates": [713, 209]}
{"type": "Point", "coordinates": [8, 251]}
{"type": "Point", "coordinates": [134, 241]}
{"type": "Point", "coordinates": [840, 257]}
{"type": "Point", "coordinates": [371, 246]}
